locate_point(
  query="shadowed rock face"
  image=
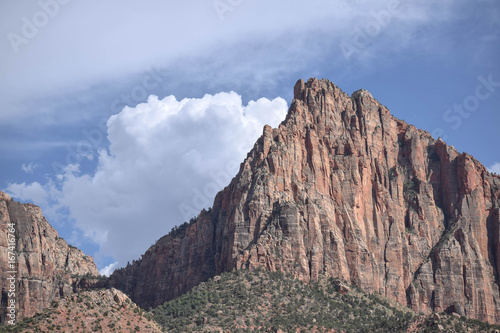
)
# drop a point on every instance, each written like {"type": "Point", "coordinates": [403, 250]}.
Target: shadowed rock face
{"type": "Point", "coordinates": [47, 267]}
{"type": "Point", "coordinates": [344, 189]}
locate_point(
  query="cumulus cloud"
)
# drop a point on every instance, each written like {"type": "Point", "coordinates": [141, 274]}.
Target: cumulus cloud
{"type": "Point", "coordinates": [33, 192]}
{"type": "Point", "coordinates": [166, 161]}
{"type": "Point", "coordinates": [495, 168]}
{"type": "Point", "coordinates": [46, 196]}
{"type": "Point", "coordinates": [106, 271]}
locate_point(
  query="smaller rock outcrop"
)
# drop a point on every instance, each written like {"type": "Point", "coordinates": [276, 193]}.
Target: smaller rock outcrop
{"type": "Point", "coordinates": [44, 266]}
{"type": "Point", "coordinates": [91, 311]}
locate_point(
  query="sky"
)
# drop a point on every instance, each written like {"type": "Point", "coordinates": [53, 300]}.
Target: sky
{"type": "Point", "coordinates": [122, 119]}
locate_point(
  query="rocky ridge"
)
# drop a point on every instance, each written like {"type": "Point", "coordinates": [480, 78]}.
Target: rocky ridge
{"type": "Point", "coordinates": [89, 311]}
{"type": "Point", "coordinates": [46, 267]}
{"type": "Point", "coordinates": [344, 189]}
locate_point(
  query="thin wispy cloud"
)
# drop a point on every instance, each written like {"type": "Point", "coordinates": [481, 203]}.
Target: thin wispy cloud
{"type": "Point", "coordinates": [30, 167]}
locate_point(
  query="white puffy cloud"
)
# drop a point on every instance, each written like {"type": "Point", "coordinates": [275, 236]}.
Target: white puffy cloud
{"type": "Point", "coordinates": [166, 161]}
{"type": "Point", "coordinates": [106, 271]}
{"type": "Point", "coordinates": [46, 196]}
{"type": "Point", "coordinates": [33, 192]}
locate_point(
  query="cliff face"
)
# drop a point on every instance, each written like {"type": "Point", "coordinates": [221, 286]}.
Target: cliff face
{"type": "Point", "coordinates": [344, 189]}
{"type": "Point", "coordinates": [46, 266]}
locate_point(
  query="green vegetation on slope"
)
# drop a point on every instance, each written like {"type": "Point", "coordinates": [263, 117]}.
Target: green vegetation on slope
{"type": "Point", "coordinates": [247, 301]}
{"type": "Point", "coordinates": [262, 301]}
{"type": "Point", "coordinates": [267, 301]}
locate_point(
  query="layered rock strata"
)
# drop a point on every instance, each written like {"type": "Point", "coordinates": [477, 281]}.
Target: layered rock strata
{"type": "Point", "coordinates": [45, 267]}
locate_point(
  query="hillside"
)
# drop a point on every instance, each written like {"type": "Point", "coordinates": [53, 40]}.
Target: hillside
{"type": "Point", "coordinates": [89, 311]}
{"type": "Point", "coordinates": [244, 301]}
{"type": "Point", "coordinates": [262, 301]}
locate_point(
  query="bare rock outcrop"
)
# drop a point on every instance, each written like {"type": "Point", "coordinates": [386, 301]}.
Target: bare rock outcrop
{"type": "Point", "coordinates": [45, 268]}
{"type": "Point", "coordinates": [103, 310]}
{"type": "Point", "coordinates": [344, 189]}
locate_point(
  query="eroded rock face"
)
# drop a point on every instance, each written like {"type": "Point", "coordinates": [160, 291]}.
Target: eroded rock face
{"type": "Point", "coordinates": [46, 266]}
{"type": "Point", "coordinates": [344, 189]}
{"type": "Point", "coordinates": [170, 267]}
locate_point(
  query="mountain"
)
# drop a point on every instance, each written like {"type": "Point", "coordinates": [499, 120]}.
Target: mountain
{"type": "Point", "coordinates": [265, 301]}
{"type": "Point", "coordinates": [36, 265]}
{"type": "Point", "coordinates": [343, 189]}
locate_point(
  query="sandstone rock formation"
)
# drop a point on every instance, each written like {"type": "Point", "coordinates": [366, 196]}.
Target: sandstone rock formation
{"type": "Point", "coordinates": [344, 189]}
{"type": "Point", "coordinates": [46, 266]}
{"type": "Point", "coordinates": [104, 310]}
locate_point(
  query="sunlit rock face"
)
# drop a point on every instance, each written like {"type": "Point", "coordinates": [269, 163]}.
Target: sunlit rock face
{"type": "Point", "coordinates": [342, 188]}
{"type": "Point", "coordinates": [46, 267]}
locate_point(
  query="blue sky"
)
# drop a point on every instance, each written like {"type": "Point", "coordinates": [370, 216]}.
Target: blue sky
{"type": "Point", "coordinates": [122, 119]}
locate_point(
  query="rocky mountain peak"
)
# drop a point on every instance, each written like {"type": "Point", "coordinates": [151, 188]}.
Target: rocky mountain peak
{"type": "Point", "coordinates": [4, 196]}
{"type": "Point", "coordinates": [361, 93]}
{"type": "Point", "coordinates": [343, 189]}
{"type": "Point", "coordinates": [313, 86]}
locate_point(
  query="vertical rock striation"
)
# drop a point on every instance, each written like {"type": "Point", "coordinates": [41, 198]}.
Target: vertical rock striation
{"type": "Point", "coordinates": [46, 266]}
{"type": "Point", "coordinates": [344, 189]}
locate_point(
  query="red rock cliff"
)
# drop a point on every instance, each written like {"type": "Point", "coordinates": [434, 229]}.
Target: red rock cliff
{"type": "Point", "coordinates": [46, 266]}
{"type": "Point", "coordinates": [344, 189]}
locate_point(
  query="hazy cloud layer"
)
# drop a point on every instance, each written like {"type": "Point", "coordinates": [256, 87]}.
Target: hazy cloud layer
{"type": "Point", "coordinates": [166, 161]}
{"type": "Point", "coordinates": [95, 42]}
